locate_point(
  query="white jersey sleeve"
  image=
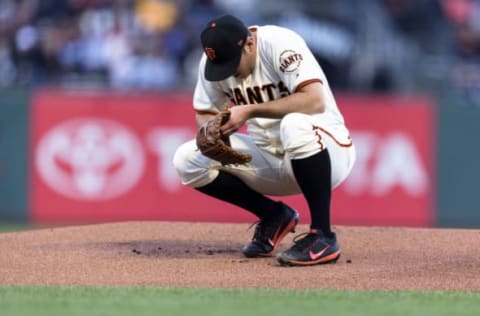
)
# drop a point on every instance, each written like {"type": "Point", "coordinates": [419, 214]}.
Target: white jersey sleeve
{"type": "Point", "coordinates": [208, 96]}
{"type": "Point", "coordinates": [292, 60]}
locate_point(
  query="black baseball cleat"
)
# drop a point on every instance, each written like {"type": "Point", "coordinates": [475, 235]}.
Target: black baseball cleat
{"type": "Point", "coordinates": [309, 249]}
{"type": "Point", "coordinates": [269, 232]}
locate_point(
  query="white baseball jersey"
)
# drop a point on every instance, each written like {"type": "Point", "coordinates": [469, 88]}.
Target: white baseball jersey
{"type": "Point", "coordinates": [284, 64]}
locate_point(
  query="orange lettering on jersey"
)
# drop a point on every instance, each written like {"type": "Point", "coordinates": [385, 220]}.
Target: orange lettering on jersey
{"type": "Point", "coordinates": [210, 53]}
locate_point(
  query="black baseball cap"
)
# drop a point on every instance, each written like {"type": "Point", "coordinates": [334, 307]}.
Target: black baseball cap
{"type": "Point", "coordinates": [223, 39]}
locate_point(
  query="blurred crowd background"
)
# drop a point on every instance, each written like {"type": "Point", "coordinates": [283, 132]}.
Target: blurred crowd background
{"type": "Point", "coordinates": [401, 46]}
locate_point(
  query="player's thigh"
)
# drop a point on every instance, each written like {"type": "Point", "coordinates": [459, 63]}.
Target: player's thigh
{"type": "Point", "coordinates": [266, 173]}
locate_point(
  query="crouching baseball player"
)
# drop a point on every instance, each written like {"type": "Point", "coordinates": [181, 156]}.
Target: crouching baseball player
{"type": "Point", "coordinates": [297, 141]}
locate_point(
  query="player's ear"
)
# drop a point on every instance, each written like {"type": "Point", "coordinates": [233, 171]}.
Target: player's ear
{"type": "Point", "coordinates": [249, 44]}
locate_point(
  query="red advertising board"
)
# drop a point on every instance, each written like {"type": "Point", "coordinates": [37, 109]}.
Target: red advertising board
{"type": "Point", "coordinates": [100, 157]}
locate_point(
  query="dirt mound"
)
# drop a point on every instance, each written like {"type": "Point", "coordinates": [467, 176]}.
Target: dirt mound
{"type": "Point", "coordinates": [208, 255]}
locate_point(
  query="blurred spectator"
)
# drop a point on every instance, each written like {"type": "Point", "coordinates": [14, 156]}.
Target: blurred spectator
{"type": "Point", "coordinates": [464, 16]}
{"type": "Point", "coordinates": [147, 67]}
{"type": "Point", "coordinates": [331, 42]}
{"type": "Point", "coordinates": [420, 20]}
{"type": "Point", "coordinates": [7, 70]}
{"type": "Point", "coordinates": [466, 79]}
{"type": "Point", "coordinates": [369, 45]}
{"type": "Point", "coordinates": [458, 11]}
{"type": "Point", "coordinates": [156, 16]}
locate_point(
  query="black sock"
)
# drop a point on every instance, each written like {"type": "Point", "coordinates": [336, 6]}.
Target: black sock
{"type": "Point", "coordinates": [229, 188]}
{"type": "Point", "coordinates": [314, 176]}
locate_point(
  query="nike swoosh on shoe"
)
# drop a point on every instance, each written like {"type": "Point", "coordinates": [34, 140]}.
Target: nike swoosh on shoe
{"type": "Point", "coordinates": [315, 256]}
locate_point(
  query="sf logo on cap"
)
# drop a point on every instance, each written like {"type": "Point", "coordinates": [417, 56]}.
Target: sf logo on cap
{"type": "Point", "coordinates": [210, 53]}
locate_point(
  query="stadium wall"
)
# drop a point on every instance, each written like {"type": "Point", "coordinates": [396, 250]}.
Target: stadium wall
{"type": "Point", "coordinates": [458, 164]}
{"type": "Point", "coordinates": [99, 156]}
{"type": "Point", "coordinates": [76, 157]}
{"type": "Point", "coordinates": [13, 155]}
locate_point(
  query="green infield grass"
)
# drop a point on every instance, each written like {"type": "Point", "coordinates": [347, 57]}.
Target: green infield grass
{"type": "Point", "coordinates": [43, 301]}
{"type": "Point", "coordinates": [13, 227]}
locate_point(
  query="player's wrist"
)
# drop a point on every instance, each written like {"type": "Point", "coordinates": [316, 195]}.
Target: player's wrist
{"type": "Point", "coordinates": [252, 110]}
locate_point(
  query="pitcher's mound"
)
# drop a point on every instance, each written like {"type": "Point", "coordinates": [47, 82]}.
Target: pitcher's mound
{"type": "Point", "coordinates": [209, 255]}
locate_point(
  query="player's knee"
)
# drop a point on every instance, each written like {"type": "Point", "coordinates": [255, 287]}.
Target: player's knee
{"type": "Point", "coordinates": [180, 159]}
{"type": "Point", "coordinates": [191, 166]}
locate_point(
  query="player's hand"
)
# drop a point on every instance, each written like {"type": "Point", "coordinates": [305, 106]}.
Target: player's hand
{"type": "Point", "coordinates": [239, 115]}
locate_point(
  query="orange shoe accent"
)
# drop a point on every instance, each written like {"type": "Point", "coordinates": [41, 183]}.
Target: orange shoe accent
{"type": "Point", "coordinates": [289, 229]}
{"type": "Point", "coordinates": [278, 238]}
{"type": "Point", "coordinates": [332, 258]}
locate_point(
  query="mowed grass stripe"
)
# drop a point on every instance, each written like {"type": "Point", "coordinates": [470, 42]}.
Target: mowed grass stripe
{"type": "Point", "coordinates": [40, 301]}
